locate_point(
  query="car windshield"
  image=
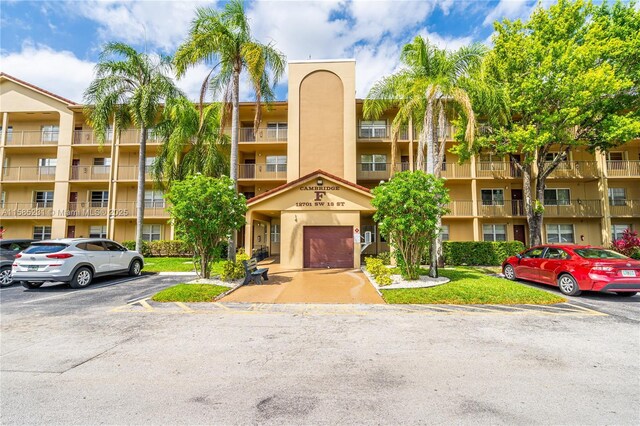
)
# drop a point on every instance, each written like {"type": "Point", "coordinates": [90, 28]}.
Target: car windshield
{"type": "Point", "coordinates": [596, 253]}
{"type": "Point", "coordinates": [43, 248]}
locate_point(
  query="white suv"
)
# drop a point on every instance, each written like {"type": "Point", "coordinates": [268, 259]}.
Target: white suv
{"type": "Point", "coordinates": [73, 260]}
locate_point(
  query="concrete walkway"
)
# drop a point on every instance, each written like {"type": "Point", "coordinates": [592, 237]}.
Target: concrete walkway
{"type": "Point", "coordinates": [308, 286]}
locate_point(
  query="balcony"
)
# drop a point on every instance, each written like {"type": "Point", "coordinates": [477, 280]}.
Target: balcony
{"type": "Point", "coordinates": [152, 209]}
{"type": "Point", "coordinates": [497, 170]}
{"type": "Point", "coordinates": [378, 171]}
{"type": "Point", "coordinates": [26, 210]}
{"type": "Point", "coordinates": [460, 208]}
{"type": "Point", "coordinates": [88, 209]}
{"type": "Point", "coordinates": [32, 137]}
{"type": "Point", "coordinates": [90, 172]}
{"type": "Point", "coordinates": [625, 208]}
{"type": "Point", "coordinates": [623, 168]}
{"type": "Point", "coordinates": [132, 137]}
{"type": "Point", "coordinates": [381, 133]}
{"type": "Point", "coordinates": [262, 135]}
{"type": "Point", "coordinates": [576, 170]}
{"type": "Point", "coordinates": [29, 173]}
{"type": "Point", "coordinates": [131, 173]}
{"type": "Point", "coordinates": [88, 137]}
{"type": "Point", "coordinates": [515, 208]}
{"type": "Point", "coordinates": [456, 171]}
{"type": "Point", "coordinates": [262, 171]}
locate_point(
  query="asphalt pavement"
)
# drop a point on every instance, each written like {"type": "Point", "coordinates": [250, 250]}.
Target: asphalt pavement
{"type": "Point", "coordinates": [108, 355]}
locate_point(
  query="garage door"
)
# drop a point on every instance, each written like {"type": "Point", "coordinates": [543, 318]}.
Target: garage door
{"type": "Point", "coordinates": [328, 247]}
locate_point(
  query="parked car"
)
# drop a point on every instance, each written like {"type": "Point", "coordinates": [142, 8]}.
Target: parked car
{"type": "Point", "coordinates": [75, 261]}
{"type": "Point", "coordinates": [8, 251]}
{"type": "Point", "coordinates": [576, 268]}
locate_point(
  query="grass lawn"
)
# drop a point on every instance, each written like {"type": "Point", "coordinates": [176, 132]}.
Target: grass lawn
{"type": "Point", "coordinates": [189, 293]}
{"type": "Point", "coordinates": [175, 264]}
{"type": "Point", "coordinates": [472, 286]}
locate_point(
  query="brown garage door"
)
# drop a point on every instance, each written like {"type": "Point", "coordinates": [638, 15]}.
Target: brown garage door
{"type": "Point", "coordinates": [328, 247]}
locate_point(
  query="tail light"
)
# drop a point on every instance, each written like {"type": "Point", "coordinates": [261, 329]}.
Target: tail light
{"type": "Point", "coordinates": [59, 255]}
{"type": "Point", "coordinates": [604, 270]}
{"type": "Point", "coordinates": [18, 256]}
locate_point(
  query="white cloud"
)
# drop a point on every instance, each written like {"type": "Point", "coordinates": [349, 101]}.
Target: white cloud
{"type": "Point", "coordinates": [511, 9]}
{"type": "Point", "coordinates": [446, 42]}
{"type": "Point", "coordinates": [374, 63]}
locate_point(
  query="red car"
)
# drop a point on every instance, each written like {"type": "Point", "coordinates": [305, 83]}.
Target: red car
{"type": "Point", "coordinates": [576, 268]}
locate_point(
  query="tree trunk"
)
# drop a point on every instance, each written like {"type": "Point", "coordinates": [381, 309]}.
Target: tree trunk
{"type": "Point", "coordinates": [429, 132]}
{"type": "Point", "coordinates": [533, 219]}
{"type": "Point", "coordinates": [436, 245]}
{"type": "Point", "coordinates": [235, 117]}
{"type": "Point", "coordinates": [142, 160]}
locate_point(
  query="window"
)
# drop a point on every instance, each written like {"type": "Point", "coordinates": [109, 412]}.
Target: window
{"type": "Point", "coordinates": [615, 156]}
{"type": "Point", "coordinates": [109, 136]}
{"type": "Point", "coordinates": [617, 231]}
{"type": "Point", "coordinates": [148, 163]}
{"type": "Point", "coordinates": [50, 133]}
{"type": "Point", "coordinates": [277, 131]}
{"type": "Point", "coordinates": [151, 232]}
{"type": "Point", "coordinates": [102, 162]}
{"type": "Point", "coordinates": [493, 232]}
{"type": "Point", "coordinates": [371, 229]}
{"type": "Point", "coordinates": [490, 162]}
{"type": "Point", "coordinates": [99, 198]}
{"type": "Point", "coordinates": [3, 199]}
{"type": "Point", "coordinates": [47, 166]}
{"type": "Point", "coordinates": [617, 197]}
{"type": "Point", "coordinates": [534, 253]}
{"type": "Point", "coordinates": [560, 233]}
{"type": "Point", "coordinates": [556, 253]}
{"type": "Point", "coordinates": [444, 232]}
{"type": "Point", "coordinates": [153, 198]}
{"type": "Point", "coordinates": [43, 199]}
{"type": "Point", "coordinates": [373, 162]}
{"type": "Point", "coordinates": [444, 163]}
{"type": "Point", "coordinates": [41, 232]}
{"type": "Point", "coordinates": [557, 197]}
{"type": "Point", "coordinates": [373, 129]}
{"type": "Point", "coordinates": [98, 231]}
{"type": "Point", "coordinates": [276, 163]}
{"type": "Point", "coordinates": [111, 246]}
{"type": "Point", "coordinates": [275, 232]}
{"type": "Point", "coordinates": [492, 197]}
{"type": "Point", "coordinates": [9, 134]}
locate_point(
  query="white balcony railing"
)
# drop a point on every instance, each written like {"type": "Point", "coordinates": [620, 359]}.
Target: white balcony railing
{"type": "Point", "coordinates": [623, 168]}
{"type": "Point", "coordinates": [90, 172]}
{"type": "Point", "coordinates": [32, 137]}
{"type": "Point", "coordinates": [29, 173]}
{"type": "Point", "coordinates": [262, 171]}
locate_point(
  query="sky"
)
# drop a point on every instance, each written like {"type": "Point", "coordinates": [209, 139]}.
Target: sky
{"type": "Point", "coordinates": [55, 44]}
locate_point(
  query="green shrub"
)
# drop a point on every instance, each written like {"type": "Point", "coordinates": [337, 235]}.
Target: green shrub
{"type": "Point", "coordinates": [131, 245]}
{"type": "Point", "coordinates": [480, 253]}
{"type": "Point", "coordinates": [170, 248]}
{"type": "Point", "coordinates": [385, 256]}
{"type": "Point", "coordinates": [380, 272]}
{"type": "Point", "coordinates": [233, 271]}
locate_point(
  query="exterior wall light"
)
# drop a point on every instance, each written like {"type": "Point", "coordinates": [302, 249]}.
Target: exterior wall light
{"type": "Point", "coordinates": [320, 182]}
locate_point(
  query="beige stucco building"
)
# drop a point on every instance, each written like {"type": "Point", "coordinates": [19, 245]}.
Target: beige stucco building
{"type": "Point", "coordinates": [306, 173]}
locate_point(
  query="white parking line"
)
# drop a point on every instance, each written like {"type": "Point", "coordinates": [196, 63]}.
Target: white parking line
{"type": "Point", "coordinates": [70, 292]}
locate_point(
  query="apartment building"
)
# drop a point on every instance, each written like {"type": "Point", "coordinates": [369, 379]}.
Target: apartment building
{"type": "Point", "coordinates": [307, 172]}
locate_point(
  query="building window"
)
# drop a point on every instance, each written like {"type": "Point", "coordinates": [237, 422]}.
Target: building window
{"type": "Point", "coordinates": [560, 233]}
{"type": "Point", "coordinates": [98, 231]}
{"type": "Point", "coordinates": [50, 133]}
{"type": "Point", "coordinates": [148, 163]}
{"type": "Point", "coordinates": [101, 166]}
{"type": "Point", "coordinates": [615, 156]}
{"type": "Point", "coordinates": [43, 199]}
{"type": "Point", "coordinates": [373, 162]}
{"type": "Point", "coordinates": [557, 197]}
{"type": "Point", "coordinates": [372, 230]}
{"type": "Point", "coordinates": [444, 232]}
{"type": "Point", "coordinates": [99, 198]}
{"type": "Point", "coordinates": [275, 233]}
{"type": "Point", "coordinates": [3, 199]}
{"type": "Point", "coordinates": [151, 232]}
{"type": "Point", "coordinates": [492, 232]}
{"type": "Point", "coordinates": [9, 133]}
{"type": "Point", "coordinates": [47, 166]}
{"type": "Point", "coordinates": [492, 197]}
{"type": "Point", "coordinates": [618, 230]}
{"type": "Point", "coordinates": [276, 163]}
{"type": "Point", "coordinates": [276, 131]}
{"type": "Point", "coordinates": [617, 197]}
{"type": "Point", "coordinates": [41, 232]}
{"type": "Point", "coordinates": [373, 129]}
{"type": "Point", "coordinates": [153, 198]}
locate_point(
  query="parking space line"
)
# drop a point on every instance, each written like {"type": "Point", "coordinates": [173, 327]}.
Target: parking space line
{"type": "Point", "coordinates": [183, 307]}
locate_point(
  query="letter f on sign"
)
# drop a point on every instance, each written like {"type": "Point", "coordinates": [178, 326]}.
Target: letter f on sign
{"type": "Point", "coordinates": [319, 195]}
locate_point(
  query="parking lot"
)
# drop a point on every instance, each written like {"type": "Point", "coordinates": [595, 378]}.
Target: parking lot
{"type": "Point", "coordinates": [107, 354]}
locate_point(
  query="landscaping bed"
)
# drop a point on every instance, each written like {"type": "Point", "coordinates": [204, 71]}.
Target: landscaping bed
{"type": "Point", "coordinates": [190, 293]}
{"type": "Point", "coordinates": [175, 264]}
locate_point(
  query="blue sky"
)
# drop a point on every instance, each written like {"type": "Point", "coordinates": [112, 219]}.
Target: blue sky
{"type": "Point", "coordinates": [55, 44]}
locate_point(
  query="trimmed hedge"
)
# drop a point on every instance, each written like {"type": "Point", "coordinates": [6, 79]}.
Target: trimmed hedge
{"type": "Point", "coordinates": [164, 248]}
{"type": "Point", "coordinates": [480, 253]}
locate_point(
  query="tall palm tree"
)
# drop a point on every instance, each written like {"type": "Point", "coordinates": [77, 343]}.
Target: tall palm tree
{"type": "Point", "coordinates": [129, 89]}
{"type": "Point", "coordinates": [426, 90]}
{"type": "Point", "coordinates": [192, 142]}
{"type": "Point", "coordinates": [223, 40]}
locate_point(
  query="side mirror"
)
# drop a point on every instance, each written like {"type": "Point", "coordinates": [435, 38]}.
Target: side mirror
{"type": "Point", "coordinates": [519, 256]}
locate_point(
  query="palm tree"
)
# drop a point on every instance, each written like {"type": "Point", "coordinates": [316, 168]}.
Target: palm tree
{"type": "Point", "coordinates": [223, 40]}
{"type": "Point", "coordinates": [129, 89]}
{"type": "Point", "coordinates": [192, 142]}
{"type": "Point", "coordinates": [428, 88]}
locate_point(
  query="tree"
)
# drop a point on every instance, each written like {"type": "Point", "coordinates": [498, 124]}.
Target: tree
{"type": "Point", "coordinates": [223, 40]}
{"type": "Point", "coordinates": [192, 142]}
{"type": "Point", "coordinates": [129, 88]}
{"type": "Point", "coordinates": [408, 207]}
{"type": "Point", "coordinates": [570, 76]}
{"type": "Point", "coordinates": [426, 90]}
{"type": "Point", "coordinates": [205, 211]}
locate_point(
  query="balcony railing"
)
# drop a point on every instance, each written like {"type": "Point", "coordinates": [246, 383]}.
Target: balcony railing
{"type": "Point", "coordinates": [131, 173]}
{"type": "Point", "coordinates": [151, 209]}
{"type": "Point", "coordinates": [29, 173]}
{"type": "Point", "coordinates": [88, 209]}
{"type": "Point", "coordinates": [381, 133]}
{"type": "Point", "coordinates": [456, 171]}
{"type": "Point", "coordinates": [460, 208]}
{"type": "Point", "coordinates": [510, 208]}
{"type": "Point", "coordinates": [262, 171]}
{"type": "Point", "coordinates": [26, 210]}
{"type": "Point", "coordinates": [576, 170]}
{"type": "Point", "coordinates": [378, 171]}
{"type": "Point", "coordinates": [90, 172]}
{"type": "Point", "coordinates": [497, 169]}
{"type": "Point", "coordinates": [88, 137]}
{"type": "Point", "coordinates": [32, 137]}
{"type": "Point", "coordinates": [623, 168]}
{"type": "Point", "coordinates": [625, 208]}
{"type": "Point", "coordinates": [263, 134]}
{"type": "Point", "coordinates": [132, 137]}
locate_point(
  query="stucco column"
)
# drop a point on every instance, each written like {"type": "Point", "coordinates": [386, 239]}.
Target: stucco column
{"type": "Point", "coordinates": [3, 139]}
{"type": "Point", "coordinates": [113, 183]}
{"type": "Point", "coordinates": [474, 200]}
{"type": "Point", "coordinates": [411, 165]}
{"type": "Point", "coordinates": [248, 237]}
{"type": "Point", "coordinates": [63, 174]}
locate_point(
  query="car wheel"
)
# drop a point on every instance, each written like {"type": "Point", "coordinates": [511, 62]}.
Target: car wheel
{"type": "Point", "coordinates": [27, 284]}
{"type": "Point", "coordinates": [81, 278]}
{"type": "Point", "coordinates": [136, 268]}
{"type": "Point", "coordinates": [5, 277]}
{"type": "Point", "coordinates": [626, 293]}
{"type": "Point", "coordinates": [568, 285]}
{"type": "Point", "coordinates": [509, 272]}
